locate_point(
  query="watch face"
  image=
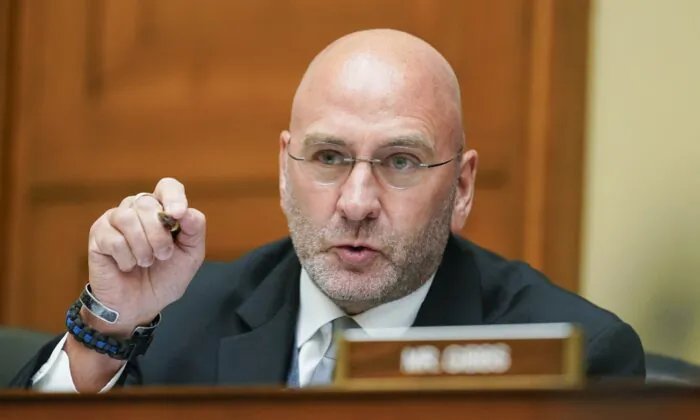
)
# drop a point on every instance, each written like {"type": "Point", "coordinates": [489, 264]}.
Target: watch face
{"type": "Point", "coordinates": [97, 308]}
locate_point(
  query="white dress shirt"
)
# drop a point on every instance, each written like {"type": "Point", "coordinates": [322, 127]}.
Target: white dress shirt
{"type": "Point", "coordinates": [313, 335]}
{"type": "Point", "coordinates": [317, 311]}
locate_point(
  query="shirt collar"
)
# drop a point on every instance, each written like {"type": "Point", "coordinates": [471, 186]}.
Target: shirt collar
{"type": "Point", "coordinates": [316, 310]}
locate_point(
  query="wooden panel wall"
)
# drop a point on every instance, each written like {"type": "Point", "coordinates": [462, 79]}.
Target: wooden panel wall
{"type": "Point", "coordinates": [7, 30]}
{"type": "Point", "coordinates": [111, 95]}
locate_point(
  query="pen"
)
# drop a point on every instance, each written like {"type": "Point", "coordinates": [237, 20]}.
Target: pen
{"type": "Point", "coordinates": [169, 223]}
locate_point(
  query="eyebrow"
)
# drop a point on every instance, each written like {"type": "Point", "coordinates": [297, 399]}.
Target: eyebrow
{"type": "Point", "coordinates": [414, 141]}
{"type": "Point", "coordinates": [316, 138]}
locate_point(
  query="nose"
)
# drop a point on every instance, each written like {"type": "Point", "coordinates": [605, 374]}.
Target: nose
{"type": "Point", "coordinates": [359, 199]}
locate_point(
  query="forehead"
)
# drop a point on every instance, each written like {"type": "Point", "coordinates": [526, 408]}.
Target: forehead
{"type": "Point", "coordinates": [416, 141]}
{"type": "Point", "coordinates": [343, 127]}
{"type": "Point", "coordinates": [367, 100]}
{"type": "Point", "coordinates": [357, 106]}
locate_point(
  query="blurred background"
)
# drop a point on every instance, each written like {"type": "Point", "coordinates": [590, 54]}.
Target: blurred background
{"type": "Point", "coordinates": [586, 115]}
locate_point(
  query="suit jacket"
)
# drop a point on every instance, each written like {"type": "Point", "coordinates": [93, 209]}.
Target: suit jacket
{"type": "Point", "coordinates": [235, 324]}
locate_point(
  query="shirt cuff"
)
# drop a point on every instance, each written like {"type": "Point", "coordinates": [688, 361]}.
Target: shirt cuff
{"type": "Point", "coordinates": [55, 376]}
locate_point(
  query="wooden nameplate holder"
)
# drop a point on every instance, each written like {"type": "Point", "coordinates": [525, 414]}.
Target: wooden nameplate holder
{"type": "Point", "coordinates": [526, 356]}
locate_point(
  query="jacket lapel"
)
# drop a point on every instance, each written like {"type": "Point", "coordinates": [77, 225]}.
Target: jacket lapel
{"type": "Point", "coordinates": [261, 356]}
{"type": "Point", "coordinates": [455, 295]}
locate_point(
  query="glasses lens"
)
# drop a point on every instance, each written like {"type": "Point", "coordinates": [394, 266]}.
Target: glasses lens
{"type": "Point", "coordinates": [400, 169]}
{"type": "Point", "coordinates": [325, 165]}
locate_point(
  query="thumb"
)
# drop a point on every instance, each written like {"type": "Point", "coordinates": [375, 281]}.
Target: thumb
{"type": "Point", "coordinates": [193, 226]}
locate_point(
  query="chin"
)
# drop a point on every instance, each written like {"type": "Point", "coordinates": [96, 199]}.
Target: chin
{"type": "Point", "coordinates": [355, 284]}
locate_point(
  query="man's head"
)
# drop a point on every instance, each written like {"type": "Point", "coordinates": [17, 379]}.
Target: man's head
{"type": "Point", "coordinates": [372, 233]}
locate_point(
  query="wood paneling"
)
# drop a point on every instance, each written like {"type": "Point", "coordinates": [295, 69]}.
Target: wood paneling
{"type": "Point", "coordinates": [111, 95]}
{"type": "Point", "coordinates": [602, 403]}
{"type": "Point", "coordinates": [7, 21]}
{"type": "Point", "coordinates": [556, 134]}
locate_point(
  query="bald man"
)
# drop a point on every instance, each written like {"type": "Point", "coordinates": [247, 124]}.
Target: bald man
{"type": "Point", "coordinates": [374, 177]}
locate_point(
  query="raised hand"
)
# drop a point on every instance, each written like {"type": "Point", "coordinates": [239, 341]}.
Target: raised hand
{"type": "Point", "coordinates": [135, 265]}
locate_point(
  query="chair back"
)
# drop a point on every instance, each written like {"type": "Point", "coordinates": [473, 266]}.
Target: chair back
{"type": "Point", "coordinates": [17, 347]}
{"type": "Point", "coordinates": [667, 370]}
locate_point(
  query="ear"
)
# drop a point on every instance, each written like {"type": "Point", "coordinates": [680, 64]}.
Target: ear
{"type": "Point", "coordinates": [285, 136]}
{"type": "Point", "coordinates": [465, 190]}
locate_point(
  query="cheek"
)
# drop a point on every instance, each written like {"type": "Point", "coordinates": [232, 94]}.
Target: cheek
{"type": "Point", "coordinates": [313, 201]}
{"type": "Point", "coordinates": [407, 211]}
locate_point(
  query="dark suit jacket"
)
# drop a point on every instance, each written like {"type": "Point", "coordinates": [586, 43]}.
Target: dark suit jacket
{"type": "Point", "coordinates": [235, 324]}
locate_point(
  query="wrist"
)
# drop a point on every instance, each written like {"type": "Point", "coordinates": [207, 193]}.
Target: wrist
{"type": "Point", "coordinates": [89, 369]}
{"type": "Point", "coordinates": [118, 340]}
{"type": "Point", "coordinates": [105, 317]}
{"type": "Point", "coordinates": [118, 330]}
{"type": "Point", "coordinates": [78, 352]}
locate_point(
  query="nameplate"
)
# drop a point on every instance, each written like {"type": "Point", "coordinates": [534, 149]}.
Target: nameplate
{"type": "Point", "coordinates": [541, 356]}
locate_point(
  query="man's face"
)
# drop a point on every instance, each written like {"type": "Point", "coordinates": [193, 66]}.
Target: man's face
{"type": "Point", "coordinates": [363, 240]}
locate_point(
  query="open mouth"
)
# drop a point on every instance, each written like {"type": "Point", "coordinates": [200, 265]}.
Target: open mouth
{"type": "Point", "coordinates": [357, 248]}
{"type": "Point", "coordinates": [356, 255]}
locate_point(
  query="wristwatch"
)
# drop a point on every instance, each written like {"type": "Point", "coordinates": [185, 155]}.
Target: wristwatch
{"type": "Point", "coordinates": [114, 347]}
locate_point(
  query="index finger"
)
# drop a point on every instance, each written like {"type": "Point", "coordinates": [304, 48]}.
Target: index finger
{"type": "Point", "coordinates": [171, 193]}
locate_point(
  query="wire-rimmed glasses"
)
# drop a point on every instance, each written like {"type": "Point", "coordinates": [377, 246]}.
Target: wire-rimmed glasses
{"type": "Point", "coordinates": [398, 166]}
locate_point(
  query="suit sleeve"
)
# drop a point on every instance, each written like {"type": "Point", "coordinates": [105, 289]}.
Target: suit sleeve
{"type": "Point", "coordinates": [616, 352]}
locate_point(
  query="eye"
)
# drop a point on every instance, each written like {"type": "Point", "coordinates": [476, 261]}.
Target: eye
{"type": "Point", "coordinates": [402, 162]}
{"type": "Point", "coordinates": [329, 157]}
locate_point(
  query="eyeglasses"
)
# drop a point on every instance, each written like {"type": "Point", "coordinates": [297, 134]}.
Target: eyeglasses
{"type": "Point", "coordinates": [399, 167]}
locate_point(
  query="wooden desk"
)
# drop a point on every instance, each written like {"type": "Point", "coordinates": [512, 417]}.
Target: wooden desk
{"type": "Point", "coordinates": [234, 404]}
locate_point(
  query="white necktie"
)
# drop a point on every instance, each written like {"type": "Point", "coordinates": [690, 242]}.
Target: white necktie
{"type": "Point", "coordinates": [323, 373]}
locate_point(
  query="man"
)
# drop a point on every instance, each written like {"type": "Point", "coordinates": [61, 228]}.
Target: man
{"type": "Point", "coordinates": [374, 176]}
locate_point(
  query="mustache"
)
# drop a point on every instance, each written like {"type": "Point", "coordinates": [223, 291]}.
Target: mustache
{"type": "Point", "coordinates": [348, 233]}
{"type": "Point", "coordinates": [348, 230]}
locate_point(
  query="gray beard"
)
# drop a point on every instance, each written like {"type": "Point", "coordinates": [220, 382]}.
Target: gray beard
{"type": "Point", "coordinates": [407, 262]}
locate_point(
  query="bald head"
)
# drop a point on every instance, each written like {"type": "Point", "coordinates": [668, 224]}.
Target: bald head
{"type": "Point", "coordinates": [380, 72]}
{"type": "Point", "coordinates": [389, 96]}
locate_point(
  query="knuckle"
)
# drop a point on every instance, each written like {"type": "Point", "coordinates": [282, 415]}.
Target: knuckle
{"type": "Point", "coordinates": [100, 222]}
{"type": "Point", "coordinates": [126, 200]}
{"type": "Point", "coordinates": [123, 217]}
{"type": "Point", "coordinates": [171, 181]}
{"type": "Point", "coordinates": [126, 265]}
{"type": "Point", "coordinates": [146, 203]}
{"type": "Point", "coordinates": [125, 260]}
{"type": "Point", "coordinates": [119, 244]}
